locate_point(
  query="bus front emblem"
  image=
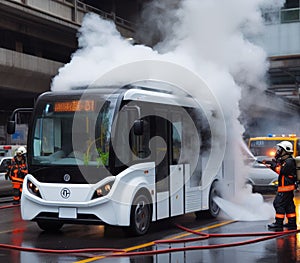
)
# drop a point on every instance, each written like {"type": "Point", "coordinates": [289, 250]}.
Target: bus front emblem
{"type": "Point", "coordinates": [67, 177]}
{"type": "Point", "coordinates": [65, 193]}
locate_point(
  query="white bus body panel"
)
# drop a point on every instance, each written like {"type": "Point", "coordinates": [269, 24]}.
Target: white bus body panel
{"type": "Point", "coordinates": [193, 197]}
{"type": "Point", "coordinates": [109, 208]}
{"type": "Point", "coordinates": [197, 197]}
{"type": "Point", "coordinates": [163, 207]}
{"type": "Point", "coordinates": [176, 189]}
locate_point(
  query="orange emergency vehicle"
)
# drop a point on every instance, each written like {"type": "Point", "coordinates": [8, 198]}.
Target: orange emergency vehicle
{"type": "Point", "coordinates": [265, 146]}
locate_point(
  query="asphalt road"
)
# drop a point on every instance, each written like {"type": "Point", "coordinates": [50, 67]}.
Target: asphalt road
{"type": "Point", "coordinates": [24, 235]}
{"type": "Point", "coordinates": [5, 188]}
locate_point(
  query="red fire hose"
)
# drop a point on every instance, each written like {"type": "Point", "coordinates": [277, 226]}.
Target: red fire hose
{"type": "Point", "coordinates": [111, 252]}
{"type": "Point", "coordinates": [267, 235]}
{"type": "Point", "coordinates": [8, 206]}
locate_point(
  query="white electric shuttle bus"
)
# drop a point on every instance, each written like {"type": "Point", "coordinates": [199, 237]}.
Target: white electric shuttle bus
{"type": "Point", "coordinates": [124, 158]}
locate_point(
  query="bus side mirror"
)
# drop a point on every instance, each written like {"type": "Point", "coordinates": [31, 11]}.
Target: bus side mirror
{"type": "Point", "coordinates": [11, 127]}
{"type": "Point", "coordinates": [138, 127]}
{"type": "Point", "coordinates": [11, 124]}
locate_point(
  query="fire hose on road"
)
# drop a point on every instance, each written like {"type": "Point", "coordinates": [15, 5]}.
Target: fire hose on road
{"type": "Point", "coordinates": [8, 206]}
{"type": "Point", "coordinates": [111, 252]}
{"type": "Point", "coordinates": [203, 236]}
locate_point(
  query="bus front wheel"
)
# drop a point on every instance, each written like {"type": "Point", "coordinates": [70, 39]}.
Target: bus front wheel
{"type": "Point", "coordinates": [140, 216]}
{"type": "Point", "coordinates": [49, 226]}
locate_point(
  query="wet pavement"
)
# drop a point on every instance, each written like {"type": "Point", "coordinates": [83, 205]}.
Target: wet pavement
{"type": "Point", "coordinates": [5, 188]}
{"type": "Point", "coordinates": [26, 235]}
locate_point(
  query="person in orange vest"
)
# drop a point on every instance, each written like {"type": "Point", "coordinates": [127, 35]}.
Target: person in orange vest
{"type": "Point", "coordinates": [17, 171]}
{"type": "Point", "coordinates": [284, 199]}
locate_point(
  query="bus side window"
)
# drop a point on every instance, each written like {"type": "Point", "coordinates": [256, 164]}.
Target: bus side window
{"type": "Point", "coordinates": [196, 139]}
{"type": "Point", "coordinates": [298, 148]}
{"type": "Point", "coordinates": [123, 156]}
{"type": "Point", "coordinates": [176, 141]}
{"type": "Point", "coordinates": [139, 144]}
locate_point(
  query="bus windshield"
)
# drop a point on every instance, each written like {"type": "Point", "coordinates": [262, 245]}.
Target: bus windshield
{"type": "Point", "coordinates": [73, 132]}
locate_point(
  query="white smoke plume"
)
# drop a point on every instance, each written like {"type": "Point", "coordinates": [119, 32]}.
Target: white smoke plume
{"type": "Point", "coordinates": [209, 37]}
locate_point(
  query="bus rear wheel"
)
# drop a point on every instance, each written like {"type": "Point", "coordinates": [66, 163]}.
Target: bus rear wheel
{"type": "Point", "coordinates": [50, 226]}
{"type": "Point", "coordinates": [214, 209]}
{"type": "Point", "coordinates": [140, 216]}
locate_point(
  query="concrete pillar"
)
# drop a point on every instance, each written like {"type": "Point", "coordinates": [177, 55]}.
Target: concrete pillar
{"type": "Point", "coordinates": [75, 11]}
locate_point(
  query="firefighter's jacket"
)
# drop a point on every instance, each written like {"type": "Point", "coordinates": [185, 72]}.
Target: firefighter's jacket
{"type": "Point", "coordinates": [18, 170]}
{"type": "Point", "coordinates": [287, 175]}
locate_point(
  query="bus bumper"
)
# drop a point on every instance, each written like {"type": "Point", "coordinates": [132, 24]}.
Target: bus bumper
{"type": "Point", "coordinates": [96, 211]}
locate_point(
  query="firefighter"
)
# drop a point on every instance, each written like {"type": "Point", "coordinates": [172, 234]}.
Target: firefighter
{"type": "Point", "coordinates": [284, 199]}
{"type": "Point", "coordinates": [17, 172]}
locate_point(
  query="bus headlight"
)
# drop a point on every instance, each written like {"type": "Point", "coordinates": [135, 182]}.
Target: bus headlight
{"type": "Point", "coordinates": [33, 189]}
{"type": "Point", "coordinates": [103, 190]}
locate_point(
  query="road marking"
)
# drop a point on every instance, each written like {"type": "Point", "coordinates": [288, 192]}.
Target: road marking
{"type": "Point", "coordinates": [7, 231]}
{"type": "Point", "coordinates": [6, 199]}
{"type": "Point", "coordinates": [152, 243]}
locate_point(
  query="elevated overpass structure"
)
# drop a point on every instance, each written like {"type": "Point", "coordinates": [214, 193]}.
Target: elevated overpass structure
{"type": "Point", "coordinates": [36, 39]}
{"type": "Point", "coordinates": [281, 41]}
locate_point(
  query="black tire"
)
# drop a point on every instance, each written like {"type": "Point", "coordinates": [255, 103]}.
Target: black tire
{"type": "Point", "coordinates": [214, 209]}
{"type": "Point", "coordinates": [140, 216]}
{"type": "Point", "coordinates": [50, 226]}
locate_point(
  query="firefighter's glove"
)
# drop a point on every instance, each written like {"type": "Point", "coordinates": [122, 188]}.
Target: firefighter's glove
{"type": "Point", "coordinates": [273, 164]}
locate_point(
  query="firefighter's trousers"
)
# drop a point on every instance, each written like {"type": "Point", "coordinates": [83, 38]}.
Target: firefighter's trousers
{"type": "Point", "coordinates": [17, 184]}
{"type": "Point", "coordinates": [284, 206]}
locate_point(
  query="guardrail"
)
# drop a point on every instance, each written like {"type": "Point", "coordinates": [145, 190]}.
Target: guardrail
{"type": "Point", "coordinates": [118, 20]}
{"type": "Point", "coordinates": [73, 10]}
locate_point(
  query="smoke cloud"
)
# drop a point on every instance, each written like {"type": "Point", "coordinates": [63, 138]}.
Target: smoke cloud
{"type": "Point", "coordinates": [208, 37]}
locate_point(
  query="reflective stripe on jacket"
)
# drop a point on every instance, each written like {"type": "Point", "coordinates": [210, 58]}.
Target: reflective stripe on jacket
{"type": "Point", "coordinates": [286, 178]}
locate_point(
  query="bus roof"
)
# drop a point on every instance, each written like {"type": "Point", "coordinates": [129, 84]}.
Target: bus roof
{"type": "Point", "coordinates": [147, 91]}
{"type": "Point", "coordinates": [159, 97]}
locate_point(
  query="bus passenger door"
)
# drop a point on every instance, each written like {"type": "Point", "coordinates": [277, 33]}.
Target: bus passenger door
{"type": "Point", "coordinates": [161, 131]}
{"type": "Point", "coordinates": [169, 173]}
{"type": "Point", "coordinates": [176, 170]}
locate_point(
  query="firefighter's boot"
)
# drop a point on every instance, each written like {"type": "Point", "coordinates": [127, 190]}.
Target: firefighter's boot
{"type": "Point", "coordinates": [277, 225]}
{"type": "Point", "coordinates": [17, 196]}
{"type": "Point", "coordinates": [291, 225]}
